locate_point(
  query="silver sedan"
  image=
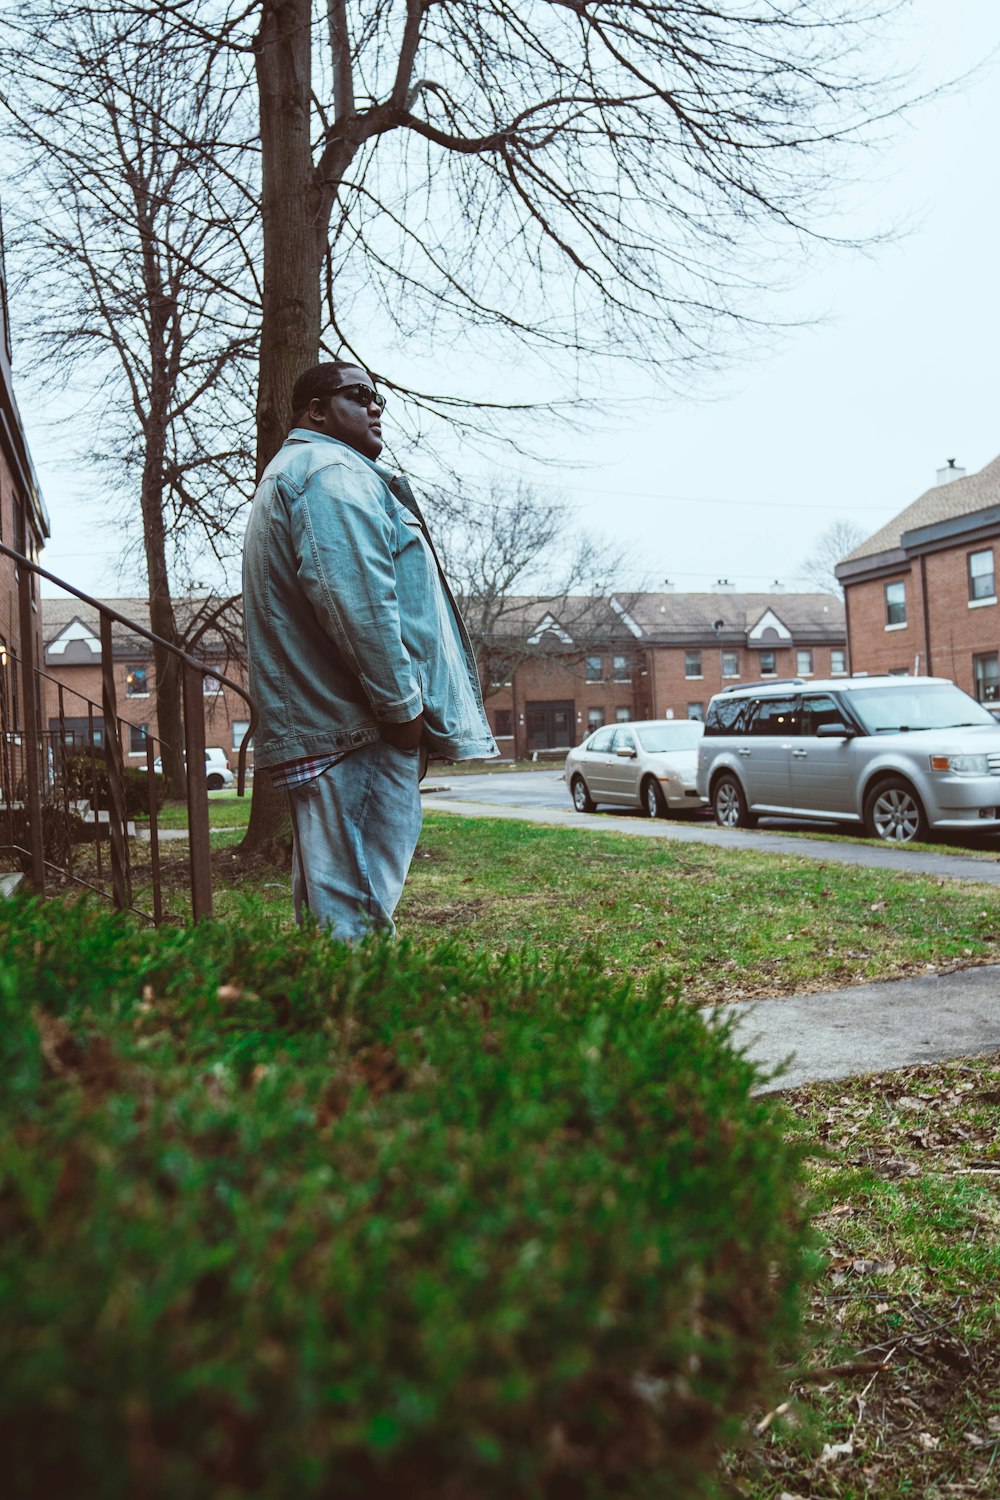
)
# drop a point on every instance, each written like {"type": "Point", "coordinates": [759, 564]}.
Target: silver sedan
{"type": "Point", "coordinates": [650, 764]}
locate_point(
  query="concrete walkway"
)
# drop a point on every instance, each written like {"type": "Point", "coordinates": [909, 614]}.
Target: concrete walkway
{"type": "Point", "coordinates": [871, 1028]}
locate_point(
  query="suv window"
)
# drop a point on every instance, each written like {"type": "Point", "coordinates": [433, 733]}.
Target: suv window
{"type": "Point", "coordinates": [726, 715]}
{"type": "Point", "coordinates": [602, 739]}
{"type": "Point", "coordinates": [775, 716]}
{"type": "Point", "coordinates": [819, 709]}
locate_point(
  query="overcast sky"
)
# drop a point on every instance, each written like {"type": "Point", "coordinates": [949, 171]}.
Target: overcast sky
{"type": "Point", "coordinates": [846, 418]}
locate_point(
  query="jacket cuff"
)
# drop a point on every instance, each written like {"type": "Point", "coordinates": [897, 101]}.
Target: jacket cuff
{"type": "Point", "coordinates": [402, 711]}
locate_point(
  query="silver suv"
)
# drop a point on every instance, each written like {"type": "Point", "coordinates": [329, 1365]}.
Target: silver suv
{"type": "Point", "coordinates": [898, 754]}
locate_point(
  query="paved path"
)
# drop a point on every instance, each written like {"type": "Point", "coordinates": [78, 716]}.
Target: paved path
{"type": "Point", "coordinates": [871, 1028]}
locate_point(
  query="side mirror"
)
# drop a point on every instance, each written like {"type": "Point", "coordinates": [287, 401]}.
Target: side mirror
{"type": "Point", "coordinates": [834, 732]}
{"type": "Point", "coordinates": [625, 753]}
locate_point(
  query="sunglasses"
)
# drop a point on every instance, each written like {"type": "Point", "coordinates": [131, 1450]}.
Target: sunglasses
{"type": "Point", "coordinates": [364, 395]}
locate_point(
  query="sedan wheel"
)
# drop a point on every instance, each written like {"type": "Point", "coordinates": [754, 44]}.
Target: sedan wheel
{"type": "Point", "coordinates": [214, 782]}
{"type": "Point", "coordinates": [730, 805]}
{"type": "Point", "coordinates": [893, 813]}
{"type": "Point", "coordinates": [654, 804]}
{"type": "Point", "coordinates": [582, 800]}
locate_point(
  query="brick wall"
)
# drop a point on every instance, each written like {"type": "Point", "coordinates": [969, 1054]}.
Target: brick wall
{"type": "Point", "coordinates": [957, 632]}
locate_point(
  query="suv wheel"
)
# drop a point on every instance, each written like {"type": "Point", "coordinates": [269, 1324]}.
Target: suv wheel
{"type": "Point", "coordinates": [214, 781]}
{"type": "Point", "coordinates": [730, 804]}
{"type": "Point", "coordinates": [654, 804]}
{"type": "Point", "coordinates": [893, 812]}
{"type": "Point", "coordinates": [582, 800]}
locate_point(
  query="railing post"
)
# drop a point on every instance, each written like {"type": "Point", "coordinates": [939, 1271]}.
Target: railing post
{"type": "Point", "coordinates": [117, 815]}
{"type": "Point", "coordinates": [31, 731]}
{"type": "Point", "coordinates": [199, 842]}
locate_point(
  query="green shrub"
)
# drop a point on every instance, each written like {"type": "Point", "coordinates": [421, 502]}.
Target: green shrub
{"type": "Point", "coordinates": [284, 1219]}
{"type": "Point", "coordinates": [84, 777]}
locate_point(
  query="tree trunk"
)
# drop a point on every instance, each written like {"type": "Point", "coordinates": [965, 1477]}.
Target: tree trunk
{"type": "Point", "coordinates": [290, 323]}
{"type": "Point", "coordinates": [293, 260]}
{"type": "Point", "coordinates": [169, 721]}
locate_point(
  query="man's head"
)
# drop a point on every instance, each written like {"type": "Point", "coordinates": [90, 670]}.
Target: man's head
{"type": "Point", "coordinates": [340, 400]}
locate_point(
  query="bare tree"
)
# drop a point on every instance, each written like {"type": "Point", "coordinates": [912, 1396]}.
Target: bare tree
{"type": "Point", "coordinates": [516, 561]}
{"type": "Point", "coordinates": [136, 280]}
{"type": "Point", "coordinates": [582, 178]}
{"type": "Point", "coordinates": [831, 547]}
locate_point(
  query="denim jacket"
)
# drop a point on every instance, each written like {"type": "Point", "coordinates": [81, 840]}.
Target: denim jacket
{"type": "Point", "coordinates": [349, 620]}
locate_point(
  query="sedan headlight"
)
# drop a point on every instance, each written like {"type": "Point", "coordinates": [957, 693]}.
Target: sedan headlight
{"type": "Point", "coordinates": [961, 765]}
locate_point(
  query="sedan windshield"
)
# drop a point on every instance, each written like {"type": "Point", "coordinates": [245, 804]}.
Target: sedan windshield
{"type": "Point", "coordinates": [925, 705]}
{"type": "Point", "coordinates": [683, 735]}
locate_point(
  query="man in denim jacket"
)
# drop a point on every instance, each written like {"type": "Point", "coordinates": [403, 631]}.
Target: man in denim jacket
{"type": "Point", "coordinates": [360, 664]}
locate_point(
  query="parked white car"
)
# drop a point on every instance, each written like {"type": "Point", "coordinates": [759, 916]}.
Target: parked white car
{"type": "Point", "coordinates": [217, 769]}
{"type": "Point", "coordinates": [650, 764]}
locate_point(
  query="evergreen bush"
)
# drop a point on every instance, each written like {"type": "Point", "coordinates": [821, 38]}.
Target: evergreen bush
{"type": "Point", "coordinates": [283, 1219]}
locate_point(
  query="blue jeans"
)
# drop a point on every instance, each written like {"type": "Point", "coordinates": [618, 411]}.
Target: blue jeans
{"type": "Point", "coordinates": [354, 830]}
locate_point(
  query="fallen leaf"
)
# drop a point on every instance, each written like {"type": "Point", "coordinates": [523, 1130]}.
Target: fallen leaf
{"type": "Point", "coordinates": [833, 1451]}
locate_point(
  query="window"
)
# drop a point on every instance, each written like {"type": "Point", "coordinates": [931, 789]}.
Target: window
{"type": "Point", "coordinates": [622, 715]}
{"type": "Point", "coordinates": [803, 663]}
{"type": "Point", "coordinates": [696, 710]}
{"type": "Point", "coordinates": [500, 673]}
{"type": "Point", "coordinates": [620, 670]}
{"type": "Point", "coordinates": [982, 584]}
{"type": "Point", "coordinates": [602, 740]}
{"type": "Point", "coordinates": [595, 718]}
{"type": "Point", "coordinates": [819, 709]}
{"type": "Point", "coordinates": [692, 664]}
{"type": "Point", "coordinates": [775, 716]}
{"type": "Point", "coordinates": [730, 663]}
{"type": "Point", "coordinates": [240, 727]}
{"type": "Point", "coordinates": [895, 604]}
{"type": "Point", "coordinates": [137, 736]}
{"type": "Point", "coordinates": [986, 673]}
{"type": "Point", "coordinates": [210, 686]}
{"type": "Point", "coordinates": [593, 669]}
{"type": "Point", "coordinates": [623, 740]}
{"type": "Point", "coordinates": [838, 663]}
{"type": "Point", "coordinates": [503, 723]}
{"type": "Point", "coordinates": [137, 682]}
{"type": "Point", "coordinates": [767, 664]}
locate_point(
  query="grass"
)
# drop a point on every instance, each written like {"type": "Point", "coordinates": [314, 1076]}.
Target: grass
{"type": "Point", "coordinates": [720, 925]}
{"type": "Point", "coordinates": [900, 1396]}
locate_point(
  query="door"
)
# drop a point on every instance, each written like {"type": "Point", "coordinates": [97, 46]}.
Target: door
{"type": "Point", "coordinates": [550, 726]}
{"type": "Point", "coordinates": [823, 772]}
{"type": "Point", "coordinates": [766, 753]}
{"type": "Point", "coordinates": [623, 771]}
{"type": "Point", "coordinates": [597, 762]}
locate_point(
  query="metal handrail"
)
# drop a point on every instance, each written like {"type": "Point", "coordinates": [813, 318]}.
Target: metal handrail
{"type": "Point", "coordinates": [193, 674]}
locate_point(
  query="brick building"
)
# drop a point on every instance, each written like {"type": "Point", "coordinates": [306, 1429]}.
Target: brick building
{"type": "Point", "coordinates": [24, 525]}
{"type": "Point", "coordinates": [657, 655]}
{"type": "Point", "coordinates": [72, 656]}
{"type": "Point", "coordinates": [921, 595]}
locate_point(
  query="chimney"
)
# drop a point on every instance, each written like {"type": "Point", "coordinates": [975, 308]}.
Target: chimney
{"type": "Point", "coordinates": [668, 586]}
{"type": "Point", "coordinates": [723, 586]}
{"type": "Point", "coordinates": [949, 472]}
{"type": "Point", "coordinates": [777, 587]}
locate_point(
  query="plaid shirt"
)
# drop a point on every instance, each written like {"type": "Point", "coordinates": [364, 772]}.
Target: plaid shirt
{"type": "Point", "coordinates": [298, 772]}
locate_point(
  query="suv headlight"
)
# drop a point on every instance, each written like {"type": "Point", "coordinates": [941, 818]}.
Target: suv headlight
{"type": "Point", "coordinates": [961, 765]}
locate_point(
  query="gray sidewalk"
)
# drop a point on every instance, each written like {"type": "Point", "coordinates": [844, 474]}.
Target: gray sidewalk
{"type": "Point", "coordinates": [871, 1028]}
